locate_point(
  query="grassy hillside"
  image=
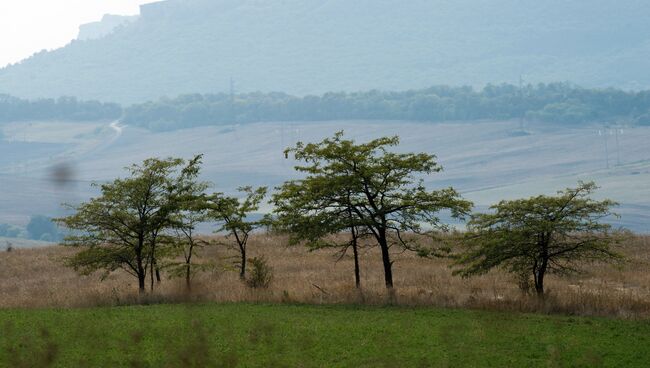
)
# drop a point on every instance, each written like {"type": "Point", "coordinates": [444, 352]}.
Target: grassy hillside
{"type": "Point", "coordinates": [304, 47]}
{"type": "Point", "coordinates": [241, 335]}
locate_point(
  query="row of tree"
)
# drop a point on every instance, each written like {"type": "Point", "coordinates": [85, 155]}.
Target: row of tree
{"type": "Point", "coordinates": [64, 108]}
{"type": "Point", "coordinates": [39, 227]}
{"type": "Point", "coordinates": [559, 102]}
{"type": "Point", "coordinates": [362, 193]}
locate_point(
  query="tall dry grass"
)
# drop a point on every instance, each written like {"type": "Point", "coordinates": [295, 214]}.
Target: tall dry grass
{"type": "Point", "coordinates": [37, 278]}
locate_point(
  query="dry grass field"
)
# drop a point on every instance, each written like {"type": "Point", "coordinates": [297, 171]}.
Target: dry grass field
{"type": "Point", "coordinates": [34, 278]}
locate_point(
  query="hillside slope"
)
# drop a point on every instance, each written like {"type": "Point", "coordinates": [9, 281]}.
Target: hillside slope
{"type": "Point", "coordinates": [486, 161]}
{"type": "Point", "coordinates": [314, 46]}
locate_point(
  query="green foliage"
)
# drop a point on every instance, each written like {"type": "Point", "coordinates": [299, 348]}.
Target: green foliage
{"type": "Point", "coordinates": [644, 119]}
{"type": "Point", "coordinates": [43, 228]}
{"type": "Point", "coordinates": [247, 335]}
{"type": "Point", "coordinates": [192, 210]}
{"type": "Point", "coordinates": [557, 103]}
{"type": "Point", "coordinates": [11, 231]}
{"type": "Point", "coordinates": [565, 112]}
{"type": "Point", "coordinates": [539, 235]}
{"type": "Point", "coordinates": [63, 108]}
{"type": "Point", "coordinates": [261, 274]}
{"type": "Point", "coordinates": [234, 214]}
{"type": "Point", "coordinates": [120, 229]}
{"type": "Point", "coordinates": [378, 187]}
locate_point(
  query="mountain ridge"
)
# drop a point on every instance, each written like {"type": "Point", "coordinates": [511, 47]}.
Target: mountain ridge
{"type": "Point", "coordinates": [311, 47]}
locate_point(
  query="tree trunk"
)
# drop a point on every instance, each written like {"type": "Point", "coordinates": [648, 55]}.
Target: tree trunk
{"type": "Point", "coordinates": [142, 274]}
{"type": "Point", "coordinates": [539, 279]}
{"type": "Point", "coordinates": [188, 276]}
{"type": "Point", "coordinates": [355, 252]}
{"type": "Point", "coordinates": [151, 274]}
{"type": "Point", "coordinates": [157, 271]}
{"type": "Point", "coordinates": [141, 282]}
{"type": "Point", "coordinates": [188, 266]}
{"type": "Point", "coordinates": [385, 255]}
{"type": "Point", "coordinates": [541, 271]}
{"type": "Point", "coordinates": [242, 267]}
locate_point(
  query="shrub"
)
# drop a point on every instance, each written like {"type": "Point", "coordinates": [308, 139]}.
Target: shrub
{"type": "Point", "coordinates": [260, 275]}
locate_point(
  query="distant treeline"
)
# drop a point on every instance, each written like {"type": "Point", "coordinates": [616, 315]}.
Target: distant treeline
{"type": "Point", "coordinates": [63, 108]}
{"type": "Point", "coordinates": [558, 102]}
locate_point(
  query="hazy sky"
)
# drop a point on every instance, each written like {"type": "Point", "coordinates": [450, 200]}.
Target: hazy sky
{"type": "Point", "coordinates": [28, 26]}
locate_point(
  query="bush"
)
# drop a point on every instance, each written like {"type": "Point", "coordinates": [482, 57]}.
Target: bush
{"type": "Point", "coordinates": [261, 274]}
{"type": "Point", "coordinates": [644, 119]}
{"type": "Point", "coordinates": [11, 231]}
{"type": "Point", "coordinates": [42, 228]}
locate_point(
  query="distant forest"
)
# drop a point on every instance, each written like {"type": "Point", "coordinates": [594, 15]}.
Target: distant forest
{"type": "Point", "coordinates": [63, 108]}
{"type": "Point", "coordinates": [558, 102]}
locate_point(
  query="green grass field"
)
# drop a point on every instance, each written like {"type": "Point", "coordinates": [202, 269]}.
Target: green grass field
{"type": "Point", "coordinates": [245, 335]}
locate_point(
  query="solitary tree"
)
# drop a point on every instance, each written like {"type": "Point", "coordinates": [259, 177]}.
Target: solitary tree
{"type": "Point", "coordinates": [120, 228]}
{"type": "Point", "coordinates": [540, 235]}
{"type": "Point", "coordinates": [380, 189]}
{"type": "Point", "coordinates": [234, 216]}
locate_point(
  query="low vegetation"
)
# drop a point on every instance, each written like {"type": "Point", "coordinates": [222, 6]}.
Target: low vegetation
{"type": "Point", "coordinates": [243, 335]}
{"type": "Point", "coordinates": [38, 278]}
{"type": "Point", "coordinates": [64, 108]}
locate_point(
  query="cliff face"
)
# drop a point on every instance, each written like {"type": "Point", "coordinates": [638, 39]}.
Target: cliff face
{"type": "Point", "coordinates": [315, 46]}
{"type": "Point", "coordinates": [108, 24]}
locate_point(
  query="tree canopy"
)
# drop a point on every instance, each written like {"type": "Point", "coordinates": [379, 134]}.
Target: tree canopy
{"type": "Point", "coordinates": [120, 229]}
{"type": "Point", "coordinates": [541, 235]}
{"type": "Point", "coordinates": [555, 102]}
{"type": "Point", "coordinates": [64, 108]}
{"type": "Point", "coordinates": [233, 214]}
{"type": "Point", "coordinates": [378, 186]}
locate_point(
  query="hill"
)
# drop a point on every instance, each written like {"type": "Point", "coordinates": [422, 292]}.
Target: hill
{"type": "Point", "coordinates": [486, 160]}
{"type": "Point", "coordinates": [305, 47]}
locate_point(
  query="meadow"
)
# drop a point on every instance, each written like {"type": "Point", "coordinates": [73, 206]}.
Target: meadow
{"type": "Point", "coordinates": [37, 278]}
{"type": "Point", "coordinates": [264, 335]}
{"type": "Point", "coordinates": [312, 316]}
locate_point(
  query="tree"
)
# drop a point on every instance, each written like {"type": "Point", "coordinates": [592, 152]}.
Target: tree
{"type": "Point", "coordinates": [313, 211]}
{"type": "Point", "coordinates": [379, 188]}
{"type": "Point", "coordinates": [192, 210]}
{"type": "Point", "coordinates": [120, 228]}
{"type": "Point", "coordinates": [540, 235]}
{"type": "Point", "coordinates": [42, 228]}
{"type": "Point", "coordinates": [233, 214]}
